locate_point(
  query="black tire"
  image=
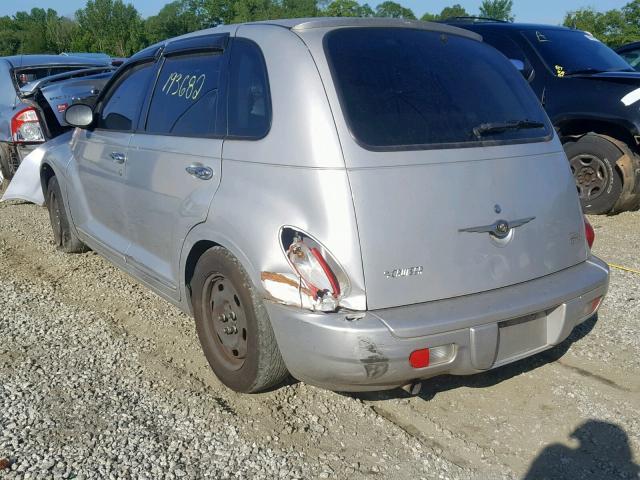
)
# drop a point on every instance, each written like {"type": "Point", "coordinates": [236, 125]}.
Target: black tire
{"type": "Point", "coordinates": [248, 359]}
{"type": "Point", "coordinates": [8, 162]}
{"type": "Point", "coordinates": [593, 164]}
{"type": "Point", "coordinates": [64, 237]}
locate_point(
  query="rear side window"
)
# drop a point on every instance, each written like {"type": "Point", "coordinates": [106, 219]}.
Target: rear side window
{"type": "Point", "coordinates": [249, 108]}
{"type": "Point", "coordinates": [416, 89]}
{"type": "Point", "coordinates": [124, 99]}
{"type": "Point", "coordinates": [185, 100]}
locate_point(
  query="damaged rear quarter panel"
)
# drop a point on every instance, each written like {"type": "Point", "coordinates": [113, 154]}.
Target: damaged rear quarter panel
{"type": "Point", "coordinates": [294, 176]}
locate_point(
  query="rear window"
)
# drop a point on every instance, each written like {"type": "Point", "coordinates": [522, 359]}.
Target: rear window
{"type": "Point", "coordinates": [416, 89]}
{"type": "Point", "coordinates": [28, 75]}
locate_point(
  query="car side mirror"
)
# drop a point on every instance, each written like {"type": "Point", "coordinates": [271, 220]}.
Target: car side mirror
{"type": "Point", "coordinates": [519, 64]}
{"type": "Point", "coordinates": [527, 73]}
{"type": "Point", "coordinates": [79, 115]}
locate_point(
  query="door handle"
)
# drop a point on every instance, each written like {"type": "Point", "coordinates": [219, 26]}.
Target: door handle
{"type": "Point", "coordinates": [118, 157]}
{"type": "Point", "coordinates": [200, 171]}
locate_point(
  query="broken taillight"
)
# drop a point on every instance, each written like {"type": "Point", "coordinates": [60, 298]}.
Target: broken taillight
{"type": "Point", "coordinates": [322, 280]}
{"type": "Point", "coordinates": [589, 233]}
{"type": "Point", "coordinates": [25, 126]}
{"type": "Point", "coordinates": [309, 263]}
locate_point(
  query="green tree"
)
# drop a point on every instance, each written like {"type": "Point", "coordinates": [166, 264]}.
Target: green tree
{"type": "Point", "coordinates": [109, 26]}
{"type": "Point", "coordinates": [497, 9]}
{"type": "Point", "coordinates": [9, 37]}
{"type": "Point", "coordinates": [60, 32]}
{"type": "Point", "coordinates": [295, 9]}
{"type": "Point", "coordinates": [456, 10]}
{"type": "Point", "coordinates": [347, 8]}
{"type": "Point", "coordinates": [429, 17]}
{"type": "Point", "coordinates": [391, 9]}
{"type": "Point", "coordinates": [175, 18]}
{"type": "Point", "coordinates": [251, 10]}
{"type": "Point", "coordinates": [614, 27]}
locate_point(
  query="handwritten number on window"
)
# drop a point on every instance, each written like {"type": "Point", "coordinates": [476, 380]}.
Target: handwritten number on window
{"type": "Point", "coordinates": [184, 86]}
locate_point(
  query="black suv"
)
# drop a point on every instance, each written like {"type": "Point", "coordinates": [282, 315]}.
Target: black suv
{"type": "Point", "coordinates": [592, 96]}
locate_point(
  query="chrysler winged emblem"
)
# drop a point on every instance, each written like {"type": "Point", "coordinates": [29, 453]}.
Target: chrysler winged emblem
{"type": "Point", "coordinates": [499, 229]}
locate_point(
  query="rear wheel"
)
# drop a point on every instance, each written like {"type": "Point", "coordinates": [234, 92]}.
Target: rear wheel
{"type": "Point", "coordinates": [64, 237]}
{"type": "Point", "coordinates": [9, 162]}
{"type": "Point", "coordinates": [593, 163]}
{"type": "Point", "coordinates": [233, 325]}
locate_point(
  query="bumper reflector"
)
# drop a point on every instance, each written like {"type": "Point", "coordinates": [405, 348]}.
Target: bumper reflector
{"type": "Point", "coordinates": [419, 358]}
{"type": "Point", "coordinates": [592, 306]}
{"type": "Point", "coordinates": [426, 357]}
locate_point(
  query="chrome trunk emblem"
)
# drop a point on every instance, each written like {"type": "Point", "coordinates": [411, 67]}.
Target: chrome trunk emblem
{"type": "Point", "coordinates": [499, 229]}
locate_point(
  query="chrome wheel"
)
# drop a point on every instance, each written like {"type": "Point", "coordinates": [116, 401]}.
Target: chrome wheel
{"type": "Point", "coordinates": [228, 319]}
{"type": "Point", "coordinates": [591, 174]}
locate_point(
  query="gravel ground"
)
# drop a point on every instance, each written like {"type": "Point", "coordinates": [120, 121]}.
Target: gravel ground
{"type": "Point", "coordinates": [102, 379]}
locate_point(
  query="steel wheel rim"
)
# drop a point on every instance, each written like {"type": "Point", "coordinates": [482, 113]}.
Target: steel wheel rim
{"type": "Point", "coordinates": [227, 321]}
{"type": "Point", "coordinates": [591, 175]}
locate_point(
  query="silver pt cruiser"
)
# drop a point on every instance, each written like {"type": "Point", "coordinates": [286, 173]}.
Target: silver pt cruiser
{"type": "Point", "coordinates": [363, 203]}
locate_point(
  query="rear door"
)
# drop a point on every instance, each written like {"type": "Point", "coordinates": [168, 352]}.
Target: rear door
{"type": "Point", "coordinates": [174, 161]}
{"type": "Point", "coordinates": [458, 183]}
{"type": "Point", "coordinates": [97, 197]}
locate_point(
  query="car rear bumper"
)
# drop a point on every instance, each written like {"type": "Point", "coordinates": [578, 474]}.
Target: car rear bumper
{"type": "Point", "coordinates": [370, 351]}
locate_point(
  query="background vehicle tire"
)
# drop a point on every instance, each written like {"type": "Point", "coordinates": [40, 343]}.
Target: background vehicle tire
{"type": "Point", "coordinates": [233, 325]}
{"type": "Point", "coordinates": [63, 236]}
{"type": "Point", "coordinates": [8, 162]}
{"type": "Point", "coordinates": [593, 164]}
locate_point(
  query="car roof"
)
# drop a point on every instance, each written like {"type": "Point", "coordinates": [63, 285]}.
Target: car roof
{"type": "Point", "coordinates": [18, 61]}
{"type": "Point", "coordinates": [301, 24]}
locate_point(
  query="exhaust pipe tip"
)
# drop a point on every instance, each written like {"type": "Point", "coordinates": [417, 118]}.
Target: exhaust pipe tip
{"type": "Point", "coordinates": [413, 388]}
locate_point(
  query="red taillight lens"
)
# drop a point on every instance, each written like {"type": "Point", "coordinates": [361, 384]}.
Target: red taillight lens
{"type": "Point", "coordinates": [313, 269]}
{"type": "Point", "coordinates": [419, 358]}
{"type": "Point", "coordinates": [25, 126]}
{"type": "Point", "coordinates": [589, 233]}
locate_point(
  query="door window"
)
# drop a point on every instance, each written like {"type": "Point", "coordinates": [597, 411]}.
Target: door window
{"type": "Point", "coordinates": [632, 57]}
{"type": "Point", "coordinates": [123, 103]}
{"type": "Point", "coordinates": [249, 101]}
{"type": "Point", "coordinates": [185, 100]}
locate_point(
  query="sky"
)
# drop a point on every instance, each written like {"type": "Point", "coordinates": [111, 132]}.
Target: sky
{"type": "Point", "coordinates": [534, 11]}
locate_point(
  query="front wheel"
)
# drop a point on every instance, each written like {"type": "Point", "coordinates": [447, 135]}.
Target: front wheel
{"type": "Point", "coordinates": [593, 163]}
{"type": "Point", "coordinates": [233, 325]}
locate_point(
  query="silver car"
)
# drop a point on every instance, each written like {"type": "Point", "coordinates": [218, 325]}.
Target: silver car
{"type": "Point", "coordinates": [361, 203]}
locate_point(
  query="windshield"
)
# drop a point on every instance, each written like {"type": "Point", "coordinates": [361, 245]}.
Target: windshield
{"type": "Point", "coordinates": [402, 88]}
{"type": "Point", "coordinates": [574, 51]}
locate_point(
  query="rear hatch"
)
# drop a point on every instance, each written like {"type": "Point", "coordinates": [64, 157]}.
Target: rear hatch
{"type": "Point", "coordinates": [458, 183]}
